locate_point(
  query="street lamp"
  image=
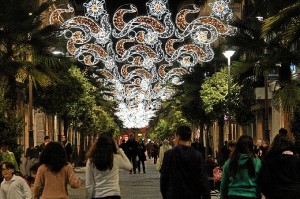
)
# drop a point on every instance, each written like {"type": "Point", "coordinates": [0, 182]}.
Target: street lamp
{"type": "Point", "coordinates": [228, 54]}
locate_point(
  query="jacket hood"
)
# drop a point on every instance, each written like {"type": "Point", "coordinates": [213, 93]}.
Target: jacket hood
{"type": "Point", "coordinates": [243, 159]}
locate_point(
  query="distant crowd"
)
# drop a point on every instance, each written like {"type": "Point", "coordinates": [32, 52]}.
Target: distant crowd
{"type": "Point", "coordinates": [188, 170]}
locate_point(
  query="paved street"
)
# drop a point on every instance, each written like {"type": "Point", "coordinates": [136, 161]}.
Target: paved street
{"type": "Point", "coordinates": [133, 186]}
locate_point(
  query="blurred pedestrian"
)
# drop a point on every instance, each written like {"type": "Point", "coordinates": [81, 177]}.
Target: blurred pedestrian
{"type": "Point", "coordinates": [162, 150]}
{"type": "Point", "coordinates": [223, 154]}
{"type": "Point", "coordinates": [13, 186]}
{"type": "Point", "coordinates": [210, 165]}
{"type": "Point", "coordinates": [131, 146]}
{"type": "Point", "coordinates": [280, 173]}
{"type": "Point", "coordinates": [54, 173]}
{"type": "Point", "coordinates": [68, 147]}
{"type": "Point", "coordinates": [105, 159]}
{"type": "Point", "coordinates": [149, 147]}
{"type": "Point", "coordinates": [141, 148]}
{"type": "Point", "coordinates": [123, 146]}
{"type": "Point", "coordinates": [8, 156]}
{"type": "Point", "coordinates": [32, 157]}
{"type": "Point", "coordinates": [199, 147]}
{"type": "Point", "coordinates": [183, 172]}
{"type": "Point", "coordinates": [239, 176]}
{"type": "Point", "coordinates": [263, 148]}
{"type": "Point", "coordinates": [46, 141]}
{"type": "Point", "coordinates": [154, 152]}
{"type": "Point", "coordinates": [231, 146]}
{"type": "Point", "coordinates": [257, 147]}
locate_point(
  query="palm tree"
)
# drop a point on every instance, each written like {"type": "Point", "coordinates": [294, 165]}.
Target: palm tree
{"type": "Point", "coordinates": [284, 24]}
{"type": "Point", "coordinates": [25, 57]}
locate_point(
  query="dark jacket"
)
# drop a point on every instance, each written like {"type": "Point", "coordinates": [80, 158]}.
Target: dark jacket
{"type": "Point", "coordinates": [280, 176]}
{"type": "Point", "coordinates": [183, 174]}
{"type": "Point", "coordinates": [131, 148]}
{"type": "Point", "coordinates": [141, 151]}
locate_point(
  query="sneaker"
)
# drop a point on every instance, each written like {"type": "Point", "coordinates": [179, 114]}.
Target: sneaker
{"type": "Point", "coordinates": [144, 171]}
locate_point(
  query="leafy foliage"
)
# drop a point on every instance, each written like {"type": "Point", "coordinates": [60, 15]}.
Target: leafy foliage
{"type": "Point", "coordinates": [10, 123]}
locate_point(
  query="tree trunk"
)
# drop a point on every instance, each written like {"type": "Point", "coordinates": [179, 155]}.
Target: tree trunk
{"type": "Point", "coordinates": [221, 132]}
{"type": "Point", "coordinates": [81, 150]}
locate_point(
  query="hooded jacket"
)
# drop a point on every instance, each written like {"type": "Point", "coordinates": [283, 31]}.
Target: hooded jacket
{"type": "Point", "coordinates": [183, 174]}
{"type": "Point", "coordinates": [242, 184]}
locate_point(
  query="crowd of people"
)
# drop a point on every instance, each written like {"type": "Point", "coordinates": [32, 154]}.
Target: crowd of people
{"type": "Point", "coordinates": [242, 169]}
{"type": "Point", "coordinates": [248, 171]}
{"type": "Point", "coordinates": [44, 171]}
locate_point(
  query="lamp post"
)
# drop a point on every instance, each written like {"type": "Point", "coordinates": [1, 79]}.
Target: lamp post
{"type": "Point", "coordinates": [228, 54]}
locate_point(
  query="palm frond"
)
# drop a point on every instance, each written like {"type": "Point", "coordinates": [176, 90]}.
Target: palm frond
{"type": "Point", "coordinates": [280, 21]}
{"type": "Point", "coordinates": [287, 97]}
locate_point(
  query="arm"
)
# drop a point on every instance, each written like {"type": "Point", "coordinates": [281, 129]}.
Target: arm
{"type": "Point", "coordinates": [124, 163]}
{"type": "Point", "coordinates": [164, 178]}
{"type": "Point", "coordinates": [74, 181]}
{"type": "Point", "coordinates": [2, 196]}
{"type": "Point", "coordinates": [26, 188]}
{"type": "Point", "coordinates": [89, 179]}
{"type": "Point", "coordinates": [224, 181]}
{"type": "Point", "coordinates": [160, 155]}
{"type": "Point", "coordinates": [38, 183]}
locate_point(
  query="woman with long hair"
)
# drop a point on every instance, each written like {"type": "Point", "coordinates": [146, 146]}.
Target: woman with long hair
{"type": "Point", "coordinates": [105, 159]}
{"type": "Point", "coordinates": [54, 173]}
{"type": "Point", "coordinates": [240, 172]}
{"type": "Point", "coordinates": [280, 173]}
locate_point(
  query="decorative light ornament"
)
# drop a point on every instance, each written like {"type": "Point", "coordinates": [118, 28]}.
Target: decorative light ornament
{"type": "Point", "coordinates": [141, 55]}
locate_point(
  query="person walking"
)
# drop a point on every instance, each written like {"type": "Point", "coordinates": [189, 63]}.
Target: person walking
{"type": "Point", "coordinates": [210, 165]}
{"type": "Point", "coordinates": [155, 152]}
{"type": "Point", "coordinates": [231, 146]}
{"type": "Point", "coordinates": [183, 172]}
{"type": "Point", "coordinates": [141, 148]}
{"type": "Point", "coordinates": [105, 159]}
{"type": "Point", "coordinates": [54, 173]}
{"type": "Point", "coordinates": [162, 150]}
{"type": "Point", "coordinates": [131, 147]}
{"type": "Point", "coordinates": [8, 156]}
{"type": "Point", "coordinates": [280, 173]}
{"type": "Point", "coordinates": [149, 147]}
{"type": "Point", "coordinates": [68, 147]}
{"type": "Point", "coordinates": [223, 154]}
{"type": "Point", "coordinates": [199, 146]}
{"type": "Point", "coordinates": [239, 176]}
{"type": "Point", "coordinates": [13, 186]}
{"type": "Point", "coordinates": [263, 148]}
{"type": "Point", "coordinates": [46, 141]}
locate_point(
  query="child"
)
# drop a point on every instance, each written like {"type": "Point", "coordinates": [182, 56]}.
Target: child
{"type": "Point", "coordinates": [12, 186]}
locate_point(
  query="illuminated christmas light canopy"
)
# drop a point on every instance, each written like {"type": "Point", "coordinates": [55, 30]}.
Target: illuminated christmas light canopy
{"type": "Point", "coordinates": [139, 56]}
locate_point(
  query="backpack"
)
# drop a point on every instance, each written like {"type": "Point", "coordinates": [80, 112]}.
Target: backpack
{"type": "Point", "coordinates": [217, 174]}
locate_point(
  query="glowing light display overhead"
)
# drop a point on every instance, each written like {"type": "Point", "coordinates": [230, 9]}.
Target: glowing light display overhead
{"type": "Point", "coordinates": [139, 56]}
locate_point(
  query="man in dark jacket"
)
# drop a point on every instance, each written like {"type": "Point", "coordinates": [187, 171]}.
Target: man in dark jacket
{"type": "Point", "coordinates": [68, 147]}
{"type": "Point", "coordinates": [183, 172]}
{"type": "Point", "coordinates": [131, 147]}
